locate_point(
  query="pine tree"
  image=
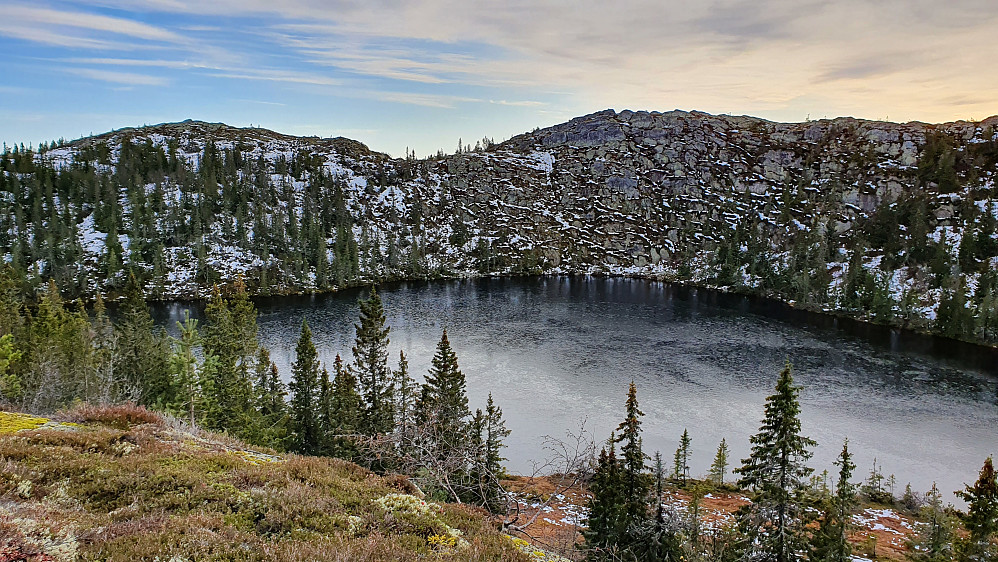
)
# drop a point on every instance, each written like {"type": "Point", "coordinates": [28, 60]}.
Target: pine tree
{"type": "Point", "coordinates": [634, 481]}
{"type": "Point", "coordinates": [777, 474]}
{"type": "Point", "coordinates": [720, 465]}
{"type": "Point", "coordinates": [370, 366]}
{"type": "Point", "coordinates": [981, 520]}
{"type": "Point", "coordinates": [443, 401]}
{"type": "Point", "coordinates": [829, 543]}
{"type": "Point", "coordinates": [305, 434]}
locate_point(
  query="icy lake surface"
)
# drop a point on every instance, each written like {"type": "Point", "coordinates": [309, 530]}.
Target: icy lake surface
{"type": "Point", "coordinates": [556, 352]}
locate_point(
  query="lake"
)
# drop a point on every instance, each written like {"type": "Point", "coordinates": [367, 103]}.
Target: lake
{"type": "Point", "coordinates": [559, 351]}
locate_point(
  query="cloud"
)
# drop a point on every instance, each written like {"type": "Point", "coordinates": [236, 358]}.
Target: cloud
{"type": "Point", "coordinates": [857, 70]}
{"type": "Point", "coordinates": [152, 63]}
{"type": "Point", "coordinates": [897, 57]}
{"type": "Point", "coordinates": [425, 100]}
{"type": "Point", "coordinates": [523, 103]}
{"type": "Point", "coordinates": [267, 75]}
{"type": "Point", "coordinates": [261, 102]}
{"type": "Point", "coordinates": [55, 27]}
{"type": "Point", "coordinates": [126, 78]}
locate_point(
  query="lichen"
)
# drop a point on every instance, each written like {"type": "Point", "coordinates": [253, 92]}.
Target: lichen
{"type": "Point", "coordinates": [421, 515]}
{"type": "Point", "coordinates": [11, 422]}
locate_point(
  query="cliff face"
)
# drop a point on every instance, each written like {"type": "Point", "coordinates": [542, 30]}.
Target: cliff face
{"type": "Point", "coordinates": [629, 189]}
{"type": "Point", "coordinates": [781, 208]}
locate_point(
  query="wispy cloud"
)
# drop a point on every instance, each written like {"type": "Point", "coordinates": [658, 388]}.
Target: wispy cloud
{"type": "Point", "coordinates": [70, 28]}
{"type": "Point", "coordinates": [522, 103]}
{"type": "Point", "coordinates": [152, 63]}
{"type": "Point", "coordinates": [290, 77]}
{"type": "Point", "coordinates": [126, 78]}
{"type": "Point", "coordinates": [782, 59]}
{"type": "Point", "coordinates": [425, 100]}
{"type": "Point", "coordinates": [261, 102]}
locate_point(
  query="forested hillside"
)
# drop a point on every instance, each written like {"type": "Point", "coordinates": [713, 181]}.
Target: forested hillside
{"type": "Point", "coordinates": [893, 223]}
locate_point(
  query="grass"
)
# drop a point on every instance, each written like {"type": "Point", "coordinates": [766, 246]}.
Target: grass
{"type": "Point", "coordinates": [125, 485]}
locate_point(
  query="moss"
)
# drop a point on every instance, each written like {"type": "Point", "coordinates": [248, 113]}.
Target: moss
{"type": "Point", "coordinates": [11, 422]}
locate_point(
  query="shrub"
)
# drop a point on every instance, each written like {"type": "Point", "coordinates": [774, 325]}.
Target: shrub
{"type": "Point", "coordinates": [121, 416]}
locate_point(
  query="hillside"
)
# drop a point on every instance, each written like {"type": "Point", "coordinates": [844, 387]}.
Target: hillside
{"type": "Point", "coordinates": [888, 222]}
{"type": "Point", "coordinates": [123, 483]}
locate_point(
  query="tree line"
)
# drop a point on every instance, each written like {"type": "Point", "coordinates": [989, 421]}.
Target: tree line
{"type": "Point", "coordinates": [134, 206]}
{"type": "Point", "coordinates": [791, 516]}
{"type": "Point", "coordinates": [217, 376]}
{"type": "Point", "coordinates": [152, 208]}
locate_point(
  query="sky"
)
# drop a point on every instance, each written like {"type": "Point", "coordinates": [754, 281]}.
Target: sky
{"type": "Point", "coordinates": [400, 75]}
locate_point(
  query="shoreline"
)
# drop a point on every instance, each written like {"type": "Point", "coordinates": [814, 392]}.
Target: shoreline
{"type": "Point", "coordinates": [976, 355]}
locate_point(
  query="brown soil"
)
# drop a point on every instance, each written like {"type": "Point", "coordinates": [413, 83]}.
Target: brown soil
{"type": "Point", "coordinates": [880, 534]}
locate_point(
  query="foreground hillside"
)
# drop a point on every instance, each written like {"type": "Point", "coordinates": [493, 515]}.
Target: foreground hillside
{"type": "Point", "coordinates": [125, 484]}
{"type": "Point", "coordinates": [894, 223]}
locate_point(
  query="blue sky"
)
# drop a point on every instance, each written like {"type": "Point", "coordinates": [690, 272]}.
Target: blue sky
{"type": "Point", "coordinates": [421, 75]}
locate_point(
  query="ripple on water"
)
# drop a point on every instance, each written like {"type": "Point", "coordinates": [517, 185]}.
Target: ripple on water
{"type": "Point", "coordinates": [555, 351]}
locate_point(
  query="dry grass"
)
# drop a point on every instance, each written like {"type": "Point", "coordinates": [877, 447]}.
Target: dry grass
{"type": "Point", "coordinates": [126, 485]}
{"type": "Point", "coordinates": [121, 416]}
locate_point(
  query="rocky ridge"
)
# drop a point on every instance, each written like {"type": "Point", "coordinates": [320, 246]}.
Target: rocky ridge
{"type": "Point", "coordinates": [628, 193]}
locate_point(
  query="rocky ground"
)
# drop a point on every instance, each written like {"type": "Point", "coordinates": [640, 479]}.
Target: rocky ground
{"type": "Point", "coordinates": [878, 533]}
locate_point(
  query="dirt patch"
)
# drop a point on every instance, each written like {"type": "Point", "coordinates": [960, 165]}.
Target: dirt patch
{"type": "Point", "coordinates": [877, 533]}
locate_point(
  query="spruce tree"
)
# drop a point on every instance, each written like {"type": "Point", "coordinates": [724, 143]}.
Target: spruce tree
{"type": "Point", "coordinates": [184, 366]}
{"type": "Point", "coordinates": [443, 401]}
{"type": "Point", "coordinates": [777, 474]}
{"type": "Point", "coordinates": [682, 463]}
{"type": "Point", "coordinates": [261, 382]}
{"type": "Point", "coordinates": [143, 350]}
{"type": "Point", "coordinates": [720, 465]}
{"type": "Point", "coordinates": [406, 395]}
{"type": "Point", "coordinates": [305, 434]}
{"type": "Point", "coordinates": [605, 527]}
{"type": "Point", "coordinates": [347, 409]}
{"type": "Point", "coordinates": [934, 542]}
{"type": "Point", "coordinates": [270, 392]}
{"type": "Point", "coordinates": [829, 543]}
{"type": "Point", "coordinates": [325, 413]}
{"type": "Point", "coordinates": [655, 538]}
{"type": "Point", "coordinates": [634, 481]}
{"type": "Point", "coordinates": [231, 337]}
{"type": "Point", "coordinates": [370, 366]}
{"type": "Point", "coordinates": [493, 431]}
{"type": "Point", "coordinates": [981, 520]}
{"type": "Point", "coordinates": [57, 355]}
